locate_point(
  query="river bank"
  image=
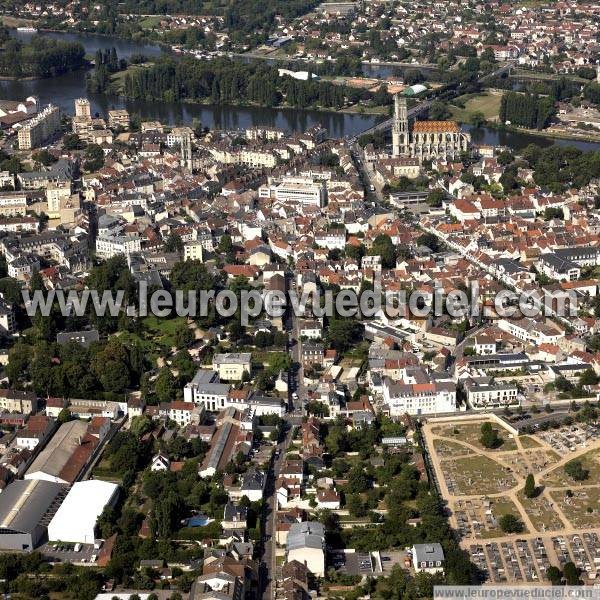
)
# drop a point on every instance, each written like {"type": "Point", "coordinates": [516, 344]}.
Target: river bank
{"type": "Point", "coordinates": [544, 133]}
{"type": "Point", "coordinates": [63, 90]}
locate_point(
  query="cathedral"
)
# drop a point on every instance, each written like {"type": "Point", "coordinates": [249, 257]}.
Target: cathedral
{"type": "Point", "coordinates": [428, 140]}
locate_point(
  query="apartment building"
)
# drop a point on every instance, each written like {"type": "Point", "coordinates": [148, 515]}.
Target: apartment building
{"type": "Point", "coordinates": [110, 245]}
{"type": "Point", "coordinates": [419, 398]}
{"type": "Point", "coordinates": [484, 394]}
{"type": "Point", "coordinates": [40, 128]}
{"type": "Point", "coordinates": [18, 402]}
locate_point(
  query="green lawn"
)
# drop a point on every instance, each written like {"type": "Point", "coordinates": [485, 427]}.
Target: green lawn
{"type": "Point", "coordinates": [150, 22]}
{"type": "Point", "coordinates": [471, 432]}
{"type": "Point", "coordinates": [487, 103]}
{"type": "Point", "coordinates": [528, 442]}
{"type": "Point", "coordinates": [118, 78]}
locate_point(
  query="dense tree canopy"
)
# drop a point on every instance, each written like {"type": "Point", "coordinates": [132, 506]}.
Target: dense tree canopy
{"type": "Point", "coordinates": [225, 81]}
{"type": "Point", "coordinates": [42, 57]}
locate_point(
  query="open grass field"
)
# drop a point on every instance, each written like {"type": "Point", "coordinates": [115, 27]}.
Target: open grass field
{"type": "Point", "coordinates": [150, 22]}
{"type": "Point", "coordinates": [487, 103]}
{"type": "Point", "coordinates": [528, 442]}
{"type": "Point", "coordinates": [471, 432]}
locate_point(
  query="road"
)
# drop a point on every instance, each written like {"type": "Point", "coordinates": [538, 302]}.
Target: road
{"type": "Point", "coordinates": [293, 418]}
{"type": "Point", "coordinates": [297, 392]}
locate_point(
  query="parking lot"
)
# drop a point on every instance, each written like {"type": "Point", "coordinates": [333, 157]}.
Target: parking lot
{"type": "Point", "coordinates": [63, 552]}
{"type": "Point", "coordinates": [354, 563]}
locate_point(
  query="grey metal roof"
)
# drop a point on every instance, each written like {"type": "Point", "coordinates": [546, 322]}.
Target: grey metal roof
{"type": "Point", "coordinates": [25, 504]}
{"type": "Point", "coordinates": [232, 358]}
{"type": "Point", "coordinates": [428, 552]}
{"type": "Point", "coordinates": [308, 534]}
{"type": "Point", "coordinates": [253, 480]}
{"type": "Point", "coordinates": [204, 376]}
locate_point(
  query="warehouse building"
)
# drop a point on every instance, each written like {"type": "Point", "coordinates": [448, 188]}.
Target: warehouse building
{"type": "Point", "coordinates": [26, 508]}
{"type": "Point", "coordinates": [75, 520]}
{"type": "Point", "coordinates": [59, 460]}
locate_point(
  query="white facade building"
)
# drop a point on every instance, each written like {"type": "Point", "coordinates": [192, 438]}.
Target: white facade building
{"type": "Point", "coordinates": [75, 520]}
{"type": "Point", "coordinates": [108, 246]}
{"type": "Point", "coordinates": [483, 393]}
{"type": "Point", "coordinates": [419, 398]}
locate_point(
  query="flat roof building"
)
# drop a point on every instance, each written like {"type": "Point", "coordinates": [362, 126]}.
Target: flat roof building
{"type": "Point", "coordinates": [75, 520]}
{"type": "Point", "coordinates": [26, 508]}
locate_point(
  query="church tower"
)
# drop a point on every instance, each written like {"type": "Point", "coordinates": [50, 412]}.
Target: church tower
{"type": "Point", "coordinates": [186, 151]}
{"type": "Point", "coordinates": [400, 127]}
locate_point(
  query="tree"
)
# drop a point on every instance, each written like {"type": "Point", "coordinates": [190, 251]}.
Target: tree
{"type": "Point", "coordinates": [383, 246]}
{"type": "Point", "coordinates": [164, 387]}
{"type": "Point", "coordinates": [343, 333]}
{"type": "Point", "coordinates": [588, 377]}
{"type": "Point", "coordinates": [173, 243]}
{"type": "Point", "coordinates": [510, 524]}
{"type": "Point", "coordinates": [554, 575]}
{"type": "Point", "coordinates": [44, 157]}
{"type": "Point", "coordinates": [356, 506]}
{"type": "Point", "coordinates": [183, 336]}
{"type": "Point", "coordinates": [429, 240]}
{"type": "Point", "coordinates": [140, 425]}
{"type": "Point", "coordinates": [571, 574]}
{"type": "Point", "coordinates": [166, 512]}
{"type": "Point", "coordinates": [436, 197]}
{"type": "Point", "coordinates": [226, 246]}
{"type": "Point", "coordinates": [574, 469]}
{"type": "Point", "coordinates": [358, 480]}
{"type": "Point", "coordinates": [530, 490]}
{"type": "Point", "coordinates": [477, 119]}
{"type": "Point", "coordinates": [505, 158]}
{"type": "Point", "coordinates": [489, 436]}
{"type": "Point", "coordinates": [438, 111]}
{"type": "Point", "coordinates": [94, 157]}
{"type": "Point", "coordinates": [64, 416]}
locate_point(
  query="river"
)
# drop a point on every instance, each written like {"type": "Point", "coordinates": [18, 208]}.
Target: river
{"type": "Point", "coordinates": [63, 90]}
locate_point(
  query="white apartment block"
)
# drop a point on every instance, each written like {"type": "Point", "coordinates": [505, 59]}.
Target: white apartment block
{"type": "Point", "coordinates": [530, 330]}
{"type": "Point", "coordinates": [40, 128]}
{"type": "Point", "coordinates": [211, 396]}
{"type": "Point", "coordinates": [193, 250]}
{"type": "Point", "coordinates": [419, 398]}
{"type": "Point", "coordinates": [484, 394]}
{"type": "Point", "coordinates": [332, 239]}
{"type": "Point", "coordinates": [108, 246]}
